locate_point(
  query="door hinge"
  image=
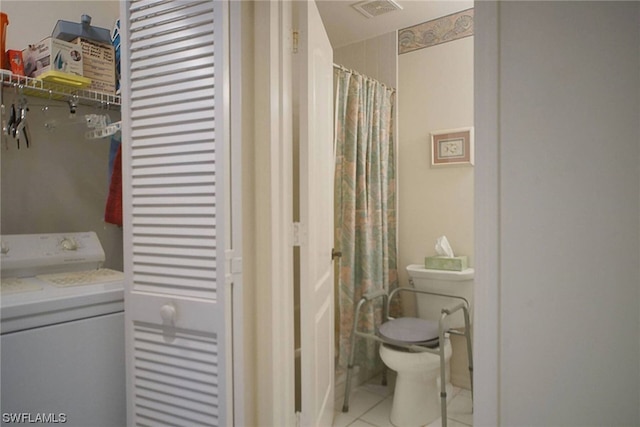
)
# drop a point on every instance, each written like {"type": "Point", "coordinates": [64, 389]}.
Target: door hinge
{"type": "Point", "coordinates": [233, 265]}
{"type": "Point", "coordinates": [298, 234]}
{"type": "Point", "coordinates": [296, 35]}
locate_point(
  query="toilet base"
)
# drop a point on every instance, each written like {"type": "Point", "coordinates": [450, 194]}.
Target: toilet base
{"type": "Point", "coordinates": [416, 400]}
{"type": "Point", "coordinates": [416, 410]}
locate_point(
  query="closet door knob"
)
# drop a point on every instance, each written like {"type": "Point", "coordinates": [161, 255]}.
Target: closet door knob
{"type": "Point", "coordinates": [335, 254]}
{"type": "Point", "coordinates": [168, 314]}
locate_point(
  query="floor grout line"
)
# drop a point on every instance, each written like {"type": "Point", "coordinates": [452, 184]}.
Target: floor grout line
{"type": "Point", "coordinates": [457, 392]}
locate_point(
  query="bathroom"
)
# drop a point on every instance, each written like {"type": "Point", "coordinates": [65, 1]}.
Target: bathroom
{"type": "Point", "coordinates": [434, 93]}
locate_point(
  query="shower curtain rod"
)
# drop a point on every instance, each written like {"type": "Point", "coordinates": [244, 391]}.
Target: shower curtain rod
{"type": "Point", "coordinates": [343, 68]}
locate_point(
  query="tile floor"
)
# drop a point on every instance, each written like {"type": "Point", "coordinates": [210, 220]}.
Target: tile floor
{"type": "Point", "coordinates": [370, 406]}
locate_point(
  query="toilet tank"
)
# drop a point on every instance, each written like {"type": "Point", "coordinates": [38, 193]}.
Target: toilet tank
{"type": "Point", "coordinates": [457, 283]}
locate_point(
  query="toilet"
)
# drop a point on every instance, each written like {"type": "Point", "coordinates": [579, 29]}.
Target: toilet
{"type": "Point", "coordinates": [416, 400]}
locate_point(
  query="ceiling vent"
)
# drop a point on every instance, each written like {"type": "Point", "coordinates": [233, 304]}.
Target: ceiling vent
{"type": "Point", "coordinates": [372, 8]}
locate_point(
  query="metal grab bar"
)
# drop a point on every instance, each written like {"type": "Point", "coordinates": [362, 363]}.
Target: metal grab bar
{"type": "Point", "coordinates": [445, 312]}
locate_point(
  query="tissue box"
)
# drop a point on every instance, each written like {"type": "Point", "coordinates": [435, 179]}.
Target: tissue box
{"type": "Point", "coordinates": [52, 55]}
{"type": "Point", "coordinates": [457, 263]}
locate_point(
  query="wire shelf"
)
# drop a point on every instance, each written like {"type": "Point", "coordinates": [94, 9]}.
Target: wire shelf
{"type": "Point", "coordinates": [42, 89]}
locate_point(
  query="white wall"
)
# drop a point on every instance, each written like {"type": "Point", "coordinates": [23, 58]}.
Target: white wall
{"type": "Point", "coordinates": [567, 162]}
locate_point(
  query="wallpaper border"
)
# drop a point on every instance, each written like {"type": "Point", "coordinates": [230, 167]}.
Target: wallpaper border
{"type": "Point", "coordinates": [437, 31]}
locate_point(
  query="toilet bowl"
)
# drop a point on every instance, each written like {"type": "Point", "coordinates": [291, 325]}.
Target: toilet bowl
{"type": "Point", "coordinates": [416, 399]}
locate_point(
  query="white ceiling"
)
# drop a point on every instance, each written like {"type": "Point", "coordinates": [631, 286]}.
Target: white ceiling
{"type": "Point", "coordinates": [345, 25]}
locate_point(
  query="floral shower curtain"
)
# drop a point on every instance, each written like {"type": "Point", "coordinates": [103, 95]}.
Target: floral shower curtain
{"type": "Point", "coordinates": [365, 193]}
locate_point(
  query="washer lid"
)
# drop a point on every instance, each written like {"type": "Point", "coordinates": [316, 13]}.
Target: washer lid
{"type": "Point", "coordinates": [43, 304]}
{"type": "Point", "coordinates": [410, 330]}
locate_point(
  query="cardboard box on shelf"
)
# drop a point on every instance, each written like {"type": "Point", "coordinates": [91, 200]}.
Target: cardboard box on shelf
{"type": "Point", "coordinates": [15, 62]}
{"type": "Point", "coordinates": [98, 64]}
{"type": "Point", "coordinates": [52, 55]}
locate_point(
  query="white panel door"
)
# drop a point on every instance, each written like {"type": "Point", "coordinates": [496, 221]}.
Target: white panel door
{"type": "Point", "coordinates": [315, 68]}
{"type": "Point", "coordinates": [174, 150]}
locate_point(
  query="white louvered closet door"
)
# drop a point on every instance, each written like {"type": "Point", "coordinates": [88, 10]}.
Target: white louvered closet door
{"type": "Point", "coordinates": [174, 145]}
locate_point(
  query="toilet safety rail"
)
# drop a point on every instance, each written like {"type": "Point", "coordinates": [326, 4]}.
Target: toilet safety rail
{"type": "Point", "coordinates": [439, 349]}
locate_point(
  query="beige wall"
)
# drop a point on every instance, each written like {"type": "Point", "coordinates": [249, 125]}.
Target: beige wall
{"type": "Point", "coordinates": [375, 58]}
{"type": "Point", "coordinates": [435, 92]}
{"type": "Point", "coordinates": [31, 21]}
{"type": "Point", "coordinates": [565, 152]}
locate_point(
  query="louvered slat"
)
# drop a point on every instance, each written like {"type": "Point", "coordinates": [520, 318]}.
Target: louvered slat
{"type": "Point", "coordinates": [164, 208]}
{"type": "Point", "coordinates": [206, 188]}
{"type": "Point", "coordinates": [181, 96]}
{"type": "Point", "coordinates": [164, 128]}
{"type": "Point", "coordinates": [174, 142]}
{"type": "Point", "coordinates": [174, 241]}
{"type": "Point", "coordinates": [175, 118]}
{"type": "Point", "coordinates": [152, 63]}
{"type": "Point", "coordinates": [176, 251]}
{"type": "Point", "coordinates": [170, 181]}
{"type": "Point", "coordinates": [169, 15]}
{"type": "Point", "coordinates": [199, 80]}
{"type": "Point", "coordinates": [178, 106]}
{"type": "Point", "coordinates": [147, 7]}
{"type": "Point", "coordinates": [165, 389]}
{"type": "Point", "coordinates": [175, 159]}
{"type": "Point", "coordinates": [192, 154]}
{"type": "Point", "coordinates": [168, 28]}
{"type": "Point", "coordinates": [172, 47]}
{"type": "Point", "coordinates": [170, 66]}
{"type": "Point", "coordinates": [166, 372]}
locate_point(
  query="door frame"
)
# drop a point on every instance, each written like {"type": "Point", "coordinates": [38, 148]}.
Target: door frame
{"type": "Point", "coordinates": [276, 399]}
{"type": "Point", "coordinates": [274, 214]}
{"type": "Point", "coordinates": [235, 308]}
{"type": "Point", "coordinates": [486, 331]}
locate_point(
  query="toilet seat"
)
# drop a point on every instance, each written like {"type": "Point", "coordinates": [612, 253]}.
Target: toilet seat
{"type": "Point", "coordinates": [410, 330]}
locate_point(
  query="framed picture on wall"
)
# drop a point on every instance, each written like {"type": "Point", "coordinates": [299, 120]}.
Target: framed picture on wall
{"type": "Point", "coordinates": [452, 147]}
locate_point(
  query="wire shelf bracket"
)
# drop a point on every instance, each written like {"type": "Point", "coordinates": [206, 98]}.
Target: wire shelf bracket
{"type": "Point", "coordinates": [43, 89]}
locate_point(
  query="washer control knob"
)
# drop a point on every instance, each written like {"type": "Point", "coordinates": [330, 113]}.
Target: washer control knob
{"type": "Point", "coordinates": [69, 244]}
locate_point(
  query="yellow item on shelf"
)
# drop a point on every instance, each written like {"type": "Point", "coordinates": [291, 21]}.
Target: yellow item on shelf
{"type": "Point", "coordinates": [64, 88]}
{"type": "Point", "coordinates": [60, 78]}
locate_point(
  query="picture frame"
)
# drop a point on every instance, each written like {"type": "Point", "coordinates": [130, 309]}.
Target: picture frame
{"type": "Point", "coordinates": [452, 147]}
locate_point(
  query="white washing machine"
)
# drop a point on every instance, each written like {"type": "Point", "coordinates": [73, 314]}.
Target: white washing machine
{"type": "Point", "coordinates": [62, 332]}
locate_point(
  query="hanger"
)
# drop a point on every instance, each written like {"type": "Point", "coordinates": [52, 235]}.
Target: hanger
{"type": "Point", "coordinates": [17, 124]}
